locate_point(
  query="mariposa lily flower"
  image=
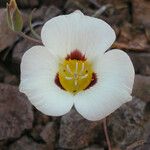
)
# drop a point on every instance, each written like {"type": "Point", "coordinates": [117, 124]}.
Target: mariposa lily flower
{"type": "Point", "coordinates": [73, 68]}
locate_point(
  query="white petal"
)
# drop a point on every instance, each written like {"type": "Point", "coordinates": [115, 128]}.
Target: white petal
{"type": "Point", "coordinates": [66, 33]}
{"type": "Point", "coordinates": [117, 65]}
{"type": "Point", "coordinates": [115, 74]}
{"type": "Point", "coordinates": [38, 71]}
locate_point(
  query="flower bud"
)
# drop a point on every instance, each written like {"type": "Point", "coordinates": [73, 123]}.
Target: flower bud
{"type": "Point", "coordinates": [14, 17]}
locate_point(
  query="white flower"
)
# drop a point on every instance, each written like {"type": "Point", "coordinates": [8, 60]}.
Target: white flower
{"type": "Point", "coordinates": [73, 68]}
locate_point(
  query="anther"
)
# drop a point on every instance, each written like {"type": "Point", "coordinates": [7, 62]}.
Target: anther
{"type": "Point", "coordinates": [75, 83]}
{"type": "Point", "coordinates": [82, 69]}
{"type": "Point", "coordinates": [68, 78]}
{"type": "Point", "coordinates": [68, 69]}
{"type": "Point", "coordinates": [76, 70]}
{"type": "Point", "coordinates": [83, 77]}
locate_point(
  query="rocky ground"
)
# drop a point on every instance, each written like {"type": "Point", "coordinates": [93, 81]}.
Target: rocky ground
{"type": "Point", "coordinates": [22, 127]}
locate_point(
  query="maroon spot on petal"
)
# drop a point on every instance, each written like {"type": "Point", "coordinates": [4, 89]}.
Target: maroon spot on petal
{"type": "Point", "coordinates": [76, 54]}
{"type": "Point", "coordinates": [57, 82]}
{"type": "Point", "coordinates": [93, 81]}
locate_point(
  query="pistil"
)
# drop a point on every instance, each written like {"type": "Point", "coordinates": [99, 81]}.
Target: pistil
{"type": "Point", "coordinates": [75, 75]}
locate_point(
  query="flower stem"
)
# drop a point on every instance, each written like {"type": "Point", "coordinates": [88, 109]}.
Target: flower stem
{"type": "Point", "coordinates": [106, 133]}
{"type": "Point", "coordinates": [29, 38]}
{"type": "Point", "coordinates": [30, 25]}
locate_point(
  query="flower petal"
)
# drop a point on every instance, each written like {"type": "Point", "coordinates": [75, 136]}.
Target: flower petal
{"type": "Point", "coordinates": [66, 33]}
{"type": "Point", "coordinates": [38, 71]}
{"type": "Point", "coordinates": [115, 74]}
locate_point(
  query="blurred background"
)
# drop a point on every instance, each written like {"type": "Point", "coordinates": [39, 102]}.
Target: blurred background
{"type": "Point", "coordinates": [22, 127]}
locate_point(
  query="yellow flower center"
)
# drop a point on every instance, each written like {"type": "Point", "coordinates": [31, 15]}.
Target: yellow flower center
{"type": "Point", "coordinates": [75, 75]}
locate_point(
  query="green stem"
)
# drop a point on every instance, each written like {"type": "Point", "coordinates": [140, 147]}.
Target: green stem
{"type": "Point", "coordinates": [30, 25]}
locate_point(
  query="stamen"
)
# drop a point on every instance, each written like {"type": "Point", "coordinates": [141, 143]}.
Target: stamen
{"type": "Point", "coordinates": [68, 69]}
{"type": "Point", "coordinates": [82, 69]}
{"type": "Point", "coordinates": [75, 75]}
{"type": "Point", "coordinates": [75, 82]}
{"type": "Point", "coordinates": [68, 78]}
{"type": "Point", "coordinates": [76, 70]}
{"type": "Point", "coordinates": [83, 77]}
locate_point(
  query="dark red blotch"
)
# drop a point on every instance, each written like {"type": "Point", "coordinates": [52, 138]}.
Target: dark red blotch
{"type": "Point", "coordinates": [94, 80]}
{"type": "Point", "coordinates": [57, 82]}
{"type": "Point", "coordinates": [77, 55]}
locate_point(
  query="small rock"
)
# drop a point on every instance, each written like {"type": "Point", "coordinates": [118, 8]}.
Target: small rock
{"type": "Point", "coordinates": [41, 15]}
{"type": "Point", "coordinates": [141, 11]}
{"type": "Point", "coordinates": [44, 133]}
{"type": "Point", "coordinates": [128, 124]}
{"type": "Point", "coordinates": [40, 121]}
{"type": "Point", "coordinates": [2, 145]}
{"type": "Point", "coordinates": [59, 3]}
{"type": "Point", "coordinates": [93, 147]}
{"type": "Point", "coordinates": [115, 11]}
{"type": "Point", "coordinates": [35, 132]}
{"type": "Point", "coordinates": [15, 112]}
{"type": "Point", "coordinates": [3, 72]}
{"type": "Point", "coordinates": [20, 48]}
{"type": "Point", "coordinates": [71, 6]}
{"type": "Point", "coordinates": [27, 3]}
{"type": "Point", "coordinates": [141, 62]}
{"type": "Point", "coordinates": [130, 38]}
{"type": "Point", "coordinates": [6, 76]}
{"type": "Point", "coordinates": [1, 77]}
{"type": "Point", "coordinates": [11, 79]}
{"type": "Point", "coordinates": [141, 88]}
{"type": "Point", "coordinates": [26, 143]}
{"type": "Point", "coordinates": [77, 132]}
{"type": "Point", "coordinates": [48, 133]}
{"type": "Point", "coordinates": [146, 143]}
{"type": "Point", "coordinates": [40, 118]}
{"type": "Point", "coordinates": [7, 37]}
{"type": "Point", "coordinates": [51, 12]}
